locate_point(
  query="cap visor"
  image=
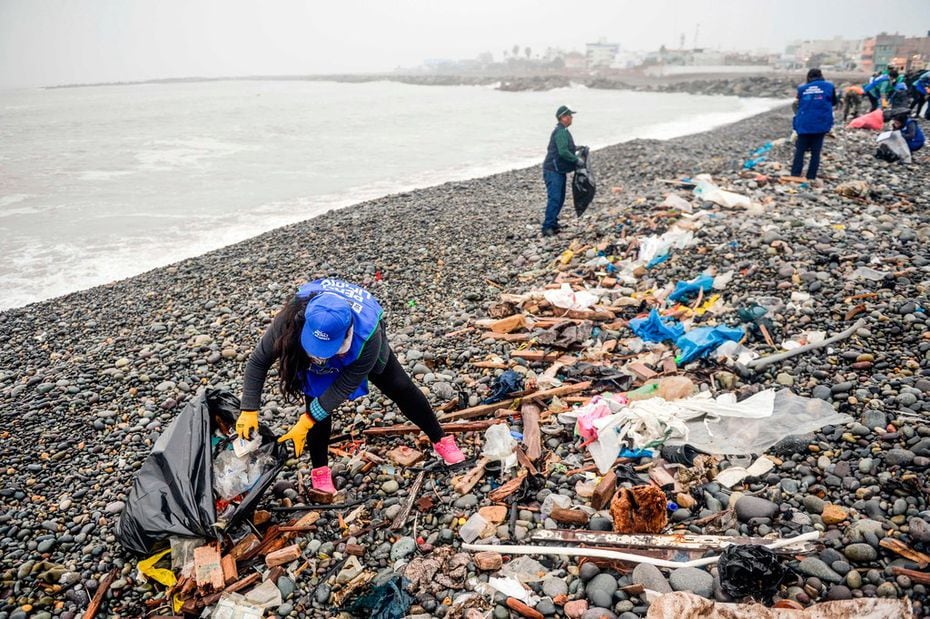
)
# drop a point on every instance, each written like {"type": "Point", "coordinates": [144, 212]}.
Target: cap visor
{"type": "Point", "coordinates": [315, 347]}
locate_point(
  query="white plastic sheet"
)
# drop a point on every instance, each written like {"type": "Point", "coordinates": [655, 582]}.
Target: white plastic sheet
{"type": "Point", "coordinates": [566, 298]}
{"type": "Point", "coordinates": [655, 246]}
{"type": "Point", "coordinates": [513, 588]}
{"type": "Point", "coordinates": [705, 189]}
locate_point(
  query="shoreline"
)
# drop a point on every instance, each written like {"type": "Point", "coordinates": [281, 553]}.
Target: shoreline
{"type": "Point", "coordinates": [736, 84]}
{"type": "Point", "coordinates": [90, 379]}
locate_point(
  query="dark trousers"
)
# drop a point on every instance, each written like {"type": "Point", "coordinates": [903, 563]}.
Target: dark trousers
{"type": "Point", "coordinates": [873, 101]}
{"type": "Point", "coordinates": [555, 192]}
{"type": "Point", "coordinates": [397, 385]}
{"type": "Point", "coordinates": [812, 142]}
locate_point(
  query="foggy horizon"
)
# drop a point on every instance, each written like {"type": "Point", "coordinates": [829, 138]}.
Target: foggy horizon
{"type": "Point", "coordinates": [53, 42]}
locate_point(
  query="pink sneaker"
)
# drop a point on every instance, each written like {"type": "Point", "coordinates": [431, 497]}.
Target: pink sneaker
{"type": "Point", "coordinates": [322, 479]}
{"type": "Point", "coordinates": [448, 450]}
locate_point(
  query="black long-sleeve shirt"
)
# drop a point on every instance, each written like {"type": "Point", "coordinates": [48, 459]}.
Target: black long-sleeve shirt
{"type": "Point", "coordinates": [372, 359]}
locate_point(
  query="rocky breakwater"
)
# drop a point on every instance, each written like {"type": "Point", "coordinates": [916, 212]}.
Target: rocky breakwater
{"type": "Point", "coordinates": [90, 380]}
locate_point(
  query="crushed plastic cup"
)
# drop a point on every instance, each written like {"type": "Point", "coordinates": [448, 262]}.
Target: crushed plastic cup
{"type": "Point", "coordinates": [472, 529]}
{"type": "Point", "coordinates": [499, 445]}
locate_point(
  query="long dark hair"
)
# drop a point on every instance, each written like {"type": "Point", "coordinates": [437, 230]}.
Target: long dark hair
{"type": "Point", "coordinates": [293, 361]}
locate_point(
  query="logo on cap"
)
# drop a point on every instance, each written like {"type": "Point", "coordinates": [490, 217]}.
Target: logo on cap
{"type": "Point", "coordinates": [321, 335]}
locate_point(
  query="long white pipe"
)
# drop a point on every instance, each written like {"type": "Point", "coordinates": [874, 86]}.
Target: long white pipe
{"type": "Point", "coordinates": [566, 551]}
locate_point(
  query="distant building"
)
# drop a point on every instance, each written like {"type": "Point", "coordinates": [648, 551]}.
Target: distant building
{"type": "Point", "coordinates": [908, 53]}
{"type": "Point", "coordinates": [575, 61]}
{"type": "Point", "coordinates": [886, 48]}
{"type": "Point", "coordinates": [601, 54]}
{"type": "Point", "coordinates": [838, 53]}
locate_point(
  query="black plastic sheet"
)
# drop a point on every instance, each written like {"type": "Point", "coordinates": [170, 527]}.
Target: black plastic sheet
{"type": "Point", "coordinates": [750, 571]}
{"type": "Point", "coordinates": [172, 493]}
{"type": "Point", "coordinates": [388, 600]}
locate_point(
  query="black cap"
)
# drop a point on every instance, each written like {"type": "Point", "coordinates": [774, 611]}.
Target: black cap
{"type": "Point", "coordinates": [563, 110]}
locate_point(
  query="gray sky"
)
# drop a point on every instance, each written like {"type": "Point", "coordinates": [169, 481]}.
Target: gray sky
{"type": "Point", "coordinates": [44, 42]}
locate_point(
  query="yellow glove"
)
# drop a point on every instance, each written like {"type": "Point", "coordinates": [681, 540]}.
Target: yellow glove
{"type": "Point", "coordinates": [298, 433]}
{"type": "Point", "coordinates": [246, 424]}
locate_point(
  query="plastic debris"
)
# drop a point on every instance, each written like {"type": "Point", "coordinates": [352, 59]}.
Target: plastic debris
{"type": "Point", "coordinates": [873, 121]}
{"type": "Point", "coordinates": [749, 570]}
{"type": "Point", "coordinates": [685, 291]}
{"type": "Point", "coordinates": [566, 298]}
{"type": "Point", "coordinates": [499, 445]}
{"type": "Point", "coordinates": [160, 575]}
{"type": "Point", "coordinates": [512, 587]}
{"type": "Point", "coordinates": [473, 527]}
{"type": "Point", "coordinates": [235, 606]}
{"type": "Point", "coordinates": [525, 569]}
{"type": "Point", "coordinates": [701, 341]}
{"type": "Point", "coordinates": [233, 475]}
{"type": "Point", "coordinates": [388, 600]}
{"type": "Point", "coordinates": [706, 190]}
{"type": "Point", "coordinates": [654, 328]}
{"type": "Point", "coordinates": [182, 553]}
{"type": "Point", "coordinates": [266, 595]}
{"type": "Point", "coordinates": [655, 246]}
{"type": "Point", "coordinates": [676, 202]}
{"type": "Point", "coordinates": [867, 273]}
{"type": "Point", "coordinates": [731, 476]}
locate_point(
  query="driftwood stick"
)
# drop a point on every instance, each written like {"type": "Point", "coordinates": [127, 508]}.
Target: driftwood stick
{"type": "Point", "coordinates": [401, 519]}
{"type": "Point", "coordinates": [758, 364]}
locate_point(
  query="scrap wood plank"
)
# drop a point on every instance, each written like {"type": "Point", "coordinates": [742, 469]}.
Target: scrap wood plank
{"type": "Point", "coordinates": [484, 409]}
{"type": "Point", "coordinates": [604, 491]}
{"type": "Point", "coordinates": [246, 544]}
{"type": "Point", "coordinates": [401, 518]}
{"type": "Point", "coordinates": [569, 516]}
{"type": "Point", "coordinates": [899, 547]}
{"type": "Point", "coordinates": [678, 541]}
{"type": "Point", "coordinates": [536, 355]}
{"type": "Point", "coordinates": [490, 365]}
{"type": "Point", "coordinates": [522, 609]}
{"type": "Point", "coordinates": [640, 370]}
{"type": "Point", "coordinates": [230, 571]}
{"type": "Point", "coordinates": [102, 589]}
{"type": "Point", "coordinates": [507, 337]}
{"type": "Point", "coordinates": [239, 585]}
{"type": "Point", "coordinates": [448, 428]}
{"type": "Point", "coordinates": [524, 461]}
{"type": "Point", "coordinates": [285, 555]}
{"type": "Point", "coordinates": [509, 324]}
{"type": "Point", "coordinates": [464, 483]}
{"type": "Point", "coordinates": [208, 572]}
{"type": "Point", "coordinates": [531, 434]}
{"type": "Point", "coordinates": [506, 489]}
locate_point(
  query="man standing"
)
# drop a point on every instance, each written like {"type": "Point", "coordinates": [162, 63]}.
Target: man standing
{"type": "Point", "coordinates": [814, 118]}
{"type": "Point", "coordinates": [560, 160]}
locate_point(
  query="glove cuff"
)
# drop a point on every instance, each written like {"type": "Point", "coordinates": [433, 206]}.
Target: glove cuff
{"type": "Point", "coordinates": [317, 412]}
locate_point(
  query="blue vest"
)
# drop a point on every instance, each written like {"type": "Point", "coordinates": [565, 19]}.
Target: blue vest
{"type": "Point", "coordinates": [875, 83]}
{"type": "Point", "coordinates": [366, 314]}
{"type": "Point", "coordinates": [553, 162]}
{"type": "Point", "coordinates": [815, 107]}
{"type": "Point", "coordinates": [917, 142]}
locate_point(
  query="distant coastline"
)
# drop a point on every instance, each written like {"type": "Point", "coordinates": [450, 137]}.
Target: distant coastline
{"type": "Point", "coordinates": [740, 85]}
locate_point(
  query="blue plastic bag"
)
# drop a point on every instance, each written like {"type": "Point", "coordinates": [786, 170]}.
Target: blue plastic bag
{"type": "Point", "coordinates": [655, 329]}
{"type": "Point", "coordinates": [688, 290]}
{"type": "Point", "coordinates": [698, 342]}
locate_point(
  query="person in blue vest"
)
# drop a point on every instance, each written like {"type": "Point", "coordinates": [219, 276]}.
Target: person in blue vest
{"type": "Point", "coordinates": [921, 87]}
{"type": "Point", "coordinates": [909, 128]}
{"type": "Point", "coordinates": [329, 341]}
{"type": "Point", "coordinates": [813, 119]}
{"type": "Point", "coordinates": [873, 89]}
{"type": "Point", "coordinates": [560, 160]}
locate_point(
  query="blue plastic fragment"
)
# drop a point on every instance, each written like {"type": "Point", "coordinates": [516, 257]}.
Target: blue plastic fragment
{"type": "Point", "coordinates": [697, 343]}
{"type": "Point", "coordinates": [654, 328]}
{"type": "Point", "coordinates": [689, 289]}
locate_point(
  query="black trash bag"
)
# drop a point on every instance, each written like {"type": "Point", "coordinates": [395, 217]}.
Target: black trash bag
{"type": "Point", "coordinates": [750, 571]}
{"type": "Point", "coordinates": [583, 186]}
{"type": "Point", "coordinates": [389, 600]}
{"type": "Point", "coordinates": [172, 493]}
{"type": "Point", "coordinates": [506, 383]}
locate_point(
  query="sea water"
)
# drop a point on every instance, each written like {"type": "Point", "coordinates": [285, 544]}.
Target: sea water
{"type": "Point", "coordinates": [101, 183]}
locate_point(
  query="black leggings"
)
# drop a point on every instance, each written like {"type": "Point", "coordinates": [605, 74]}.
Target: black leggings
{"type": "Point", "coordinates": [393, 382]}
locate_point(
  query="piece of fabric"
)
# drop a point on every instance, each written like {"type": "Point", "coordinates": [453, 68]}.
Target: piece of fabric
{"type": "Point", "coordinates": [560, 153]}
{"type": "Point", "coordinates": [555, 197]}
{"type": "Point", "coordinates": [807, 142]}
{"type": "Point", "coordinates": [815, 107]}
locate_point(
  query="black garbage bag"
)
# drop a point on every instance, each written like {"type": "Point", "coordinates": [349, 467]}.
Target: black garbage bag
{"type": "Point", "coordinates": [172, 493]}
{"type": "Point", "coordinates": [749, 570]}
{"type": "Point", "coordinates": [583, 186]}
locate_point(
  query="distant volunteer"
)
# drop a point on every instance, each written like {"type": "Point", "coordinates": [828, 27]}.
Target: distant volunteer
{"type": "Point", "coordinates": [852, 99]}
{"type": "Point", "coordinates": [329, 341]}
{"type": "Point", "coordinates": [873, 90]}
{"type": "Point", "coordinates": [813, 119]}
{"type": "Point", "coordinates": [560, 160]}
{"type": "Point", "coordinates": [921, 87]}
{"type": "Point", "coordinates": [909, 128]}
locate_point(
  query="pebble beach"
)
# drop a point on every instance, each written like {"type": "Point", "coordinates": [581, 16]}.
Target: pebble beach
{"type": "Point", "coordinates": [88, 381]}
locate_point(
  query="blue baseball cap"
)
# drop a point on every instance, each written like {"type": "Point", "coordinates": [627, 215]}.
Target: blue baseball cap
{"type": "Point", "coordinates": [327, 320]}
